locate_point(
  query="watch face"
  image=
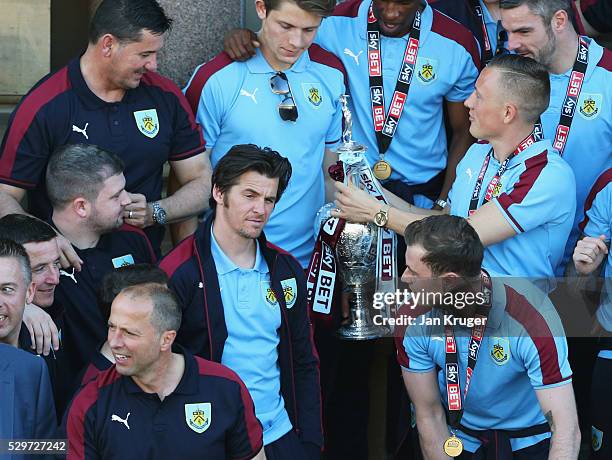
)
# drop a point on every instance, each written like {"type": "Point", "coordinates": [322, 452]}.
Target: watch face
{"type": "Point", "coordinates": [161, 216]}
{"type": "Point", "coordinates": [380, 219]}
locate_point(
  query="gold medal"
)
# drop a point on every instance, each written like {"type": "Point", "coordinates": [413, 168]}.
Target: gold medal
{"type": "Point", "coordinates": [382, 170]}
{"type": "Point", "coordinates": [453, 446]}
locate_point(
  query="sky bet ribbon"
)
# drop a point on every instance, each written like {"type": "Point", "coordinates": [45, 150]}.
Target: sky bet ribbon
{"type": "Point", "coordinates": [568, 109]}
{"type": "Point", "coordinates": [323, 267]}
{"type": "Point", "coordinates": [492, 191]}
{"type": "Point", "coordinates": [453, 445]}
{"type": "Point", "coordinates": [487, 51]}
{"type": "Point", "coordinates": [385, 126]}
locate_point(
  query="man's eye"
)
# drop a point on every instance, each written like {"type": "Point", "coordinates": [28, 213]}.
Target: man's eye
{"type": "Point", "coordinates": [8, 290]}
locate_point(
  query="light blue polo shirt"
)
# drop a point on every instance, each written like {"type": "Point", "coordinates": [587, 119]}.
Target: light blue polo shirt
{"type": "Point", "coordinates": [598, 221]}
{"type": "Point", "coordinates": [250, 350]}
{"type": "Point", "coordinates": [524, 349]}
{"type": "Point", "coordinates": [419, 148]}
{"type": "Point", "coordinates": [537, 199]}
{"type": "Point", "coordinates": [589, 148]}
{"type": "Point", "coordinates": [237, 106]}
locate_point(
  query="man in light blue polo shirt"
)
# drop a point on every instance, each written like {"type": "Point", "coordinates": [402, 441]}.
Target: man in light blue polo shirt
{"type": "Point", "coordinates": [420, 163]}
{"type": "Point", "coordinates": [543, 30]}
{"type": "Point", "coordinates": [588, 257]}
{"type": "Point", "coordinates": [534, 192]}
{"type": "Point", "coordinates": [252, 319]}
{"type": "Point", "coordinates": [500, 380]}
{"type": "Point", "coordinates": [522, 211]}
{"type": "Point", "coordinates": [447, 64]}
{"type": "Point", "coordinates": [285, 97]}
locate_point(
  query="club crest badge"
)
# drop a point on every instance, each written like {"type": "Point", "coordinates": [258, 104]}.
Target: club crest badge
{"type": "Point", "coordinates": [596, 438]}
{"type": "Point", "coordinates": [590, 106]}
{"type": "Point", "coordinates": [289, 291]}
{"type": "Point", "coordinates": [198, 416]}
{"type": "Point", "coordinates": [497, 189]}
{"type": "Point", "coordinates": [313, 94]}
{"type": "Point", "coordinates": [123, 261]}
{"type": "Point", "coordinates": [427, 70]}
{"type": "Point", "coordinates": [500, 350]}
{"type": "Point", "coordinates": [268, 294]}
{"type": "Point", "coordinates": [147, 122]}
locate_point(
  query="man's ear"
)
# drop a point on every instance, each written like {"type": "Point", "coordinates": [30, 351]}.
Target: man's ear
{"type": "Point", "coordinates": [260, 8]}
{"type": "Point", "coordinates": [510, 112]}
{"type": "Point", "coordinates": [560, 21]}
{"type": "Point", "coordinates": [451, 281]}
{"type": "Point", "coordinates": [30, 292]}
{"type": "Point", "coordinates": [166, 340]}
{"type": "Point", "coordinates": [81, 207]}
{"type": "Point", "coordinates": [107, 43]}
{"type": "Point", "coordinates": [217, 195]}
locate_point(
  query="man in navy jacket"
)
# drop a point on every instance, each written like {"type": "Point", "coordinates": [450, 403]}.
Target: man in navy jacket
{"type": "Point", "coordinates": [244, 301]}
{"type": "Point", "coordinates": [27, 405]}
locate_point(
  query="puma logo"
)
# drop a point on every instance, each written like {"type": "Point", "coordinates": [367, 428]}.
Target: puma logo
{"type": "Point", "coordinates": [244, 92]}
{"type": "Point", "coordinates": [116, 418]}
{"type": "Point", "coordinates": [348, 52]}
{"type": "Point", "coordinates": [69, 275]}
{"type": "Point", "coordinates": [82, 131]}
{"type": "Point", "coordinates": [437, 338]}
{"type": "Point", "coordinates": [469, 173]}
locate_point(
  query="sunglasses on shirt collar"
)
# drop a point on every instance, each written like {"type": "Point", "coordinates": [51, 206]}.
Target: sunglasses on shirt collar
{"type": "Point", "coordinates": [279, 84]}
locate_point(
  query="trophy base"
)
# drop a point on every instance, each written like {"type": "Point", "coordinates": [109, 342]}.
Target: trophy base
{"type": "Point", "coordinates": [361, 332]}
{"type": "Point", "coordinates": [361, 326]}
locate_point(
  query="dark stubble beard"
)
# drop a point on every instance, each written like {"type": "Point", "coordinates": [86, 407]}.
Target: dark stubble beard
{"type": "Point", "coordinates": [546, 54]}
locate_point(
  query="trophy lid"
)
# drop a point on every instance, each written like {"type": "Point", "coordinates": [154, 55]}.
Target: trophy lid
{"type": "Point", "coordinates": [350, 152]}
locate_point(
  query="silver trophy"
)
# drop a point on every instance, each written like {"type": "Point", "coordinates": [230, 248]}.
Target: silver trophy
{"type": "Point", "coordinates": [356, 248]}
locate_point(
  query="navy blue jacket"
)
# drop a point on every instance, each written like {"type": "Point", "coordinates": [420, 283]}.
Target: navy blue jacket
{"type": "Point", "coordinates": [26, 401]}
{"type": "Point", "coordinates": [193, 277]}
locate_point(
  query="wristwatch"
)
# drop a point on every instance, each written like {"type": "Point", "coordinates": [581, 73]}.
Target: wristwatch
{"type": "Point", "coordinates": [382, 217]}
{"type": "Point", "coordinates": [159, 213]}
{"type": "Point", "coordinates": [442, 203]}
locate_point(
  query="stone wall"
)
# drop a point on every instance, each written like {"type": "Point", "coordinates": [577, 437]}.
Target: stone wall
{"type": "Point", "coordinates": [197, 34]}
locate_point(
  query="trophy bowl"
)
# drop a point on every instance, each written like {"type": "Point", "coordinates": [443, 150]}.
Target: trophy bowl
{"type": "Point", "coordinates": [356, 254]}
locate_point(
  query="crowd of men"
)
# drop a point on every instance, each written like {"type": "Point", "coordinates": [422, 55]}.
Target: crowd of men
{"type": "Point", "coordinates": [489, 126]}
